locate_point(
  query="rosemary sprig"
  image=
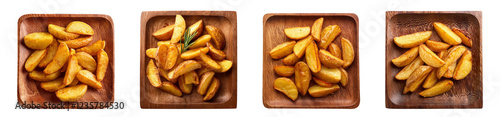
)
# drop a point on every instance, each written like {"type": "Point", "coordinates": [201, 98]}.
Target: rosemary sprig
{"type": "Point", "coordinates": [187, 40]}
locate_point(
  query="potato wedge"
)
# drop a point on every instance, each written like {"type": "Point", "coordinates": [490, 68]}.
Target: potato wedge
{"type": "Point", "coordinates": [312, 58]}
{"type": "Point", "coordinates": [344, 79]}
{"type": "Point", "coordinates": [285, 71]}
{"type": "Point", "coordinates": [209, 62]}
{"type": "Point", "coordinates": [409, 69]}
{"type": "Point", "coordinates": [302, 77]}
{"type": "Point", "coordinates": [151, 52]}
{"type": "Point", "coordinates": [218, 37]}
{"type": "Point", "coordinates": [163, 73]}
{"type": "Point", "coordinates": [437, 46]}
{"type": "Point", "coordinates": [40, 76]}
{"type": "Point", "coordinates": [78, 42]}
{"type": "Point", "coordinates": [153, 75]}
{"type": "Point", "coordinates": [322, 82]}
{"type": "Point", "coordinates": [201, 41]}
{"type": "Point", "coordinates": [215, 53]}
{"type": "Point", "coordinates": [51, 52]}
{"type": "Point", "coordinates": [181, 69]}
{"type": "Point", "coordinates": [446, 34]}
{"type": "Point", "coordinates": [406, 58]}
{"type": "Point", "coordinates": [412, 40]}
{"type": "Point", "coordinates": [327, 59]}
{"type": "Point", "coordinates": [196, 28]}
{"type": "Point", "coordinates": [164, 33]}
{"type": "Point", "coordinates": [62, 55]}
{"type": "Point", "coordinates": [466, 39]}
{"type": "Point", "coordinates": [79, 27]}
{"type": "Point", "coordinates": [282, 50]}
{"type": "Point", "coordinates": [464, 66]}
{"type": "Point", "coordinates": [171, 88]}
{"type": "Point", "coordinates": [328, 35]}
{"type": "Point", "coordinates": [38, 40]}
{"type": "Point", "coordinates": [185, 88]}
{"type": "Point", "coordinates": [430, 80]}
{"type": "Point", "coordinates": [92, 49]}
{"type": "Point", "coordinates": [52, 86]}
{"type": "Point", "coordinates": [205, 82]}
{"type": "Point", "coordinates": [86, 77]}
{"type": "Point", "coordinates": [71, 94]}
{"type": "Point", "coordinates": [291, 59]}
{"type": "Point", "coordinates": [452, 56]}
{"type": "Point", "coordinates": [286, 86]}
{"type": "Point", "coordinates": [34, 59]}
{"type": "Point", "coordinates": [335, 50]}
{"type": "Point", "coordinates": [225, 66]}
{"type": "Point", "coordinates": [102, 64]}
{"type": "Point", "coordinates": [417, 78]}
{"type": "Point", "coordinates": [71, 71]}
{"type": "Point", "coordinates": [429, 57]}
{"type": "Point", "coordinates": [300, 48]}
{"type": "Point", "coordinates": [162, 55]}
{"type": "Point", "coordinates": [86, 61]}
{"type": "Point", "coordinates": [203, 70]}
{"type": "Point", "coordinates": [316, 28]}
{"type": "Point", "coordinates": [212, 90]}
{"type": "Point", "coordinates": [440, 88]}
{"type": "Point", "coordinates": [297, 32]}
{"type": "Point", "coordinates": [180, 27]}
{"type": "Point", "coordinates": [331, 75]}
{"type": "Point", "coordinates": [193, 53]}
{"type": "Point", "coordinates": [191, 78]}
{"type": "Point", "coordinates": [60, 32]}
{"type": "Point", "coordinates": [163, 43]}
{"type": "Point", "coordinates": [348, 52]}
{"type": "Point", "coordinates": [451, 69]}
{"type": "Point", "coordinates": [167, 59]}
{"type": "Point", "coordinates": [319, 91]}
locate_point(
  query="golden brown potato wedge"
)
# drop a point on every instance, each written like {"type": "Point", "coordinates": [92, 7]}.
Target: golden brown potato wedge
{"type": "Point", "coordinates": [327, 59]}
{"type": "Point", "coordinates": [348, 52]}
{"type": "Point", "coordinates": [167, 59]}
{"type": "Point", "coordinates": [331, 75]}
{"type": "Point", "coordinates": [52, 86]}
{"type": "Point", "coordinates": [185, 88]}
{"type": "Point", "coordinates": [464, 66]}
{"type": "Point", "coordinates": [203, 70]}
{"type": "Point", "coordinates": [466, 39]}
{"type": "Point", "coordinates": [51, 52]}
{"type": "Point", "coordinates": [193, 53]}
{"type": "Point", "coordinates": [163, 73]}
{"type": "Point", "coordinates": [225, 66]}
{"type": "Point", "coordinates": [212, 90]}
{"type": "Point", "coordinates": [92, 49]}
{"type": "Point", "coordinates": [163, 43]}
{"type": "Point", "coordinates": [297, 32]}
{"type": "Point", "coordinates": [191, 78]}
{"type": "Point", "coordinates": [78, 42]}
{"type": "Point", "coordinates": [344, 79]}
{"type": "Point", "coordinates": [34, 59]}
{"type": "Point", "coordinates": [285, 71]}
{"type": "Point", "coordinates": [164, 33]}
{"type": "Point", "coordinates": [62, 55]}
{"type": "Point", "coordinates": [170, 88]}
{"type": "Point", "coordinates": [319, 91]}
{"type": "Point", "coordinates": [322, 82]}
{"type": "Point", "coordinates": [437, 46]}
{"type": "Point", "coordinates": [151, 52]}
{"type": "Point", "coordinates": [446, 34]}
{"type": "Point", "coordinates": [429, 57]}
{"type": "Point", "coordinates": [196, 28]}
{"type": "Point", "coordinates": [302, 77]}
{"type": "Point", "coordinates": [88, 78]}
{"type": "Point", "coordinates": [71, 71]}
{"type": "Point", "coordinates": [328, 35]}
{"type": "Point", "coordinates": [282, 50]}
{"type": "Point", "coordinates": [40, 76]}
{"type": "Point", "coordinates": [335, 50]}
{"type": "Point", "coordinates": [201, 41]}
{"type": "Point", "coordinates": [316, 28]}
{"type": "Point", "coordinates": [430, 80]}
{"type": "Point", "coordinates": [205, 82]}
{"type": "Point", "coordinates": [451, 69]}
{"type": "Point", "coordinates": [407, 70]}
{"type": "Point", "coordinates": [287, 87]}
{"type": "Point", "coordinates": [417, 78]}
{"type": "Point", "coordinates": [60, 32]}
{"type": "Point", "coordinates": [162, 55]}
{"type": "Point", "coordinates": [180, 27]}
{"type": "Point", "coordinates": [453, 55]}
{"type": "Point", "coordinates": [312, 58]}
{"type": "Point", "coordinates": [215, 53]}
{"type": "Point", "coordinates": [300, 48]}
{"type": "Point", "coordinates": [218, 37]}
{"type": "Point", "coordinates": [291, 59]}
{"type": "Point", "coordinates": [406, 58]}
{"type": "Point", "coordinates": [440, 88]}
{"type": "Point", "coordinates": [71, 94]}
{"type": "Point", "coordinates": [182, 68]}
{"type": "Point", "coordinates": [153, 75]}
{"type": "Point", "coordinates": [102, 64]}
{"type": "Point", "coordinates": [38, 40]}
{"type": "Point", "coordinates": [86, 61]}
{"type": "Point", "coordinates": [412, 40]}
{"type": "Point", "coordinates": [79, 27]}
{"type": "Point", "coordinates": [209, 62]}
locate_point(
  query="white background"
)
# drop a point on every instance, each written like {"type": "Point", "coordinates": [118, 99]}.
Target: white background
{"type": "Point", "coordinates": [126, 16]}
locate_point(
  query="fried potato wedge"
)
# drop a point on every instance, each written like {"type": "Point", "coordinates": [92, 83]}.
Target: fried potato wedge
{"type": "Point", "coordinates": [71, 94]}
{"type": "Point", "coordinates": [205, 82]}
{"type": "Point", "coordinates": [38, 40]}
{"type": "Point", "coordinates": [209, 62]}
{"type": "Point", "coordinates": [201, 41]}
{"type": "Point", "coordinates": [286, 86]}
{"type": "Point", "coordinates": [79, 27]}
{"type": "Point", "coordinates": [151, 52]}
{"type": "Point", "coordinates": [440, 88]}
{"type": "Point", "coordinates": [218, 37]}
{"type": "Point", "coordinates": [282, 50]}
{"type": "Point", "coordinates": [446, 34]}
{"type": "Point", "coordinates": [437, 46]}
{"type": "Point", "coordinates": [300, 48]}
{"type": "Point", "coordinates": [52, 86]}
{"type": "Point", "coordinates": [62, 55]}
{"type": "Point", "coordinates": [185, 88]}
{"type": "Point", "coordinates": [319, 91]}
{"type": "Point", "coordinates": [412, 40]}
{"type": "Point", "coordinates": [193, 53]}
{"type": "Point", "coordinates": [34, 59]}
{"type": "Point", "coordinates": [86, 61]}
{"type": "Point", "coordinates": [92, 49]}
{"type": "Point", "coordinates": [152, 74]}
{"type": "Point", "coordinates": [335, 50]}
{"type": "Point", "coordinates": [171, 88]}
{"type": "Point", "coordinates": [215, 53]}
{"type": "Point", "coordinates": [312, 58]}
{"type": "Point", "coordinates": [78, 42]}
{"type": "Point", "coordinates": [322, 82]}
{"type": "Point", "coordinates": [327, 59]}
{"type": "Point", "coordinates": [225, 66]}
{"type": "Point", "coordinates": [466, 39]}
{"type": "Point", "coordinates": [302, 77]}
{"type": "Point", "coordinates": [451, 70]}
{"type": "Point", "coordinates": [51, 52]}
{"type": "Point", "coordinates": [291, 59]}
{"type": "Point", "coordinates": [40, 76]}
{"type": "Point", "coordinates": [86, 77]}
{"type": "Point", "coordinates": [417, 78]}
{"type": "Point", "coordinates": [203, 70]}
{"type": "Point", "coordinates": [430, 80]}
{"type": "Point", "coordinates": [71, 71]}
{"type": "Point", "coordinates": [164, 33]}
{"type": "Point", "coordinates": [285, 71]}
{"type": "Point", "coordinates": [429, 57]}
{"type": "Point", "coordinates": [191, 78]}
{"type": "Point", "coordinates": [196, 28]}
{"type": "Point", "coordinates": [297, 32]}
{"type": "Point", "coordinates": [102, 64]}
{"type": "Point", "coordinates": [60, 32]}
{"type": "Point", "coordinates": [212, 90]}
{"type": "Point", "coordinates": [344, 76]}
{"type": "Point", "coordinates": [464, 66]}
{"type": "Point", "coordinates": [162, 55]}
{"type": "Point", "coordinates": [180, 27]}
{"type": "Point", "coordinates": [182, 68]}
{"type": "Point", "coordinates": [406, 58]}
{"type": "Point", "coordinates": [328, 35]}
{"type": "Point", "coordinates": [316, 28]}
{"type": "Point", "coordinates": [453, 55]}
{"type": "Point", "coordinates": [169, 58]}
{"type": "Point", "coordinates": [331, 75]}
{"type": "Point", "coordinates": [348, 52]}
{"type": "Point", "coordinates": [409, 69]}
{"type": "Point", "coordinates": [163, 73]}
{"type": "Point", "coordinates": [163, 43]}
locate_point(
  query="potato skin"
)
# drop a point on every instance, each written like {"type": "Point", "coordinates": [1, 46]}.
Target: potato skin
{"type": "Point", "coordinates": [164, 33]}
{"type": "Point", "coordinates": [38, 40]}
{"type": "Point", "coordinates": [152, 74]}
{"type": "Point", "coordinates": [302, 77]}
{"type": "Point", "coordinates": [312, 58]}
{"type": "Point", "coordinates": [348, 53]}
{"type": "Point", "coordinates": [171, 88]}
{"type": "Point", "coordinates": [217, 36]}
{"type": "Point", "coordinates": [102, 64]}
{"type": "Point", "coordinates": [316, 28]}
{"type": "Point", "coordinates": [79, 27]}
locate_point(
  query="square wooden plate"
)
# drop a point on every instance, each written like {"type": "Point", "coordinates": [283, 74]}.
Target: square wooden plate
{"type": "Point", "coordinates": [152, 97]}
{"type": "Point", "coordinates": [274, 24]}
{"type": "Point", "coordinates": [28, 90]}
{"type": "Point", "coordinates": [467, 93]}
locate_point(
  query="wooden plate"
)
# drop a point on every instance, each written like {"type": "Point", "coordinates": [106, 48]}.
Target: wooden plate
{"type": "Point", "coordinates": [467, 93]}
{"type": "Point", "coordinates": [152, 97]}
{"type": "Point", "coordinates": [274, 24]}
{"type": "Point", "coordinates": [29, 90]}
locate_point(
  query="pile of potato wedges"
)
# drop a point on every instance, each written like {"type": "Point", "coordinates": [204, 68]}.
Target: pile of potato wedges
{"type": "Point", "coordinates": [186, 67]}
{"type": "Point", "coordinates": [54, 54]}
{"type": "Point", "coordinates": [310, 52]}
{"type": "Point", "coordinates": [427, 62]}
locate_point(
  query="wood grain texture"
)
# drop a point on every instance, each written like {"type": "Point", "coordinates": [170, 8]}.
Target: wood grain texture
{"type": "Point", "coordinates": [152, 97]}
{"type": "Point", "coordinates": [274, 24]}
{"type": "Point", "coordinates": [467, 93]}
{"type": "Point", "coordinates": [29, 90]}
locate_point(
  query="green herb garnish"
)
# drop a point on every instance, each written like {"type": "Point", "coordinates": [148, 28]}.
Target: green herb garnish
{"type": "Point", "coordinates": [187, 40]}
